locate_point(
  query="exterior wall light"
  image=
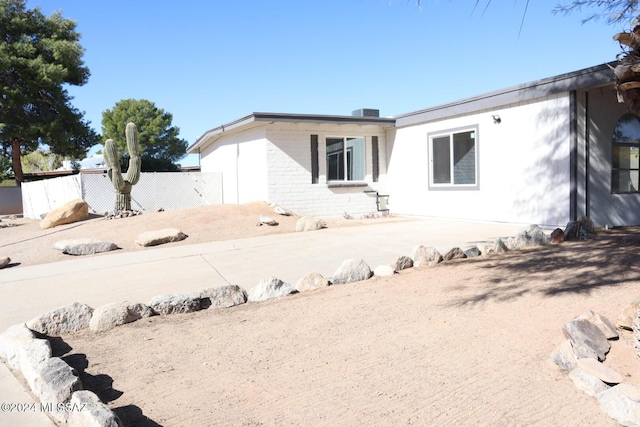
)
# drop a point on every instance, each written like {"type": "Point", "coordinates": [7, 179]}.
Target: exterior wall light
{"type": "Point", "coordinates": [496, 119]}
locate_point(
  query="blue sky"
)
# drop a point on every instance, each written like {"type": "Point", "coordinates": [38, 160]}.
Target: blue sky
{"type": "Point", "coordinates": [209, 62]}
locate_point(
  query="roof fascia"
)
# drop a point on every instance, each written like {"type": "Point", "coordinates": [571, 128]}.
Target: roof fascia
{"type": "Point", "coordinates": [211, 135]}
{"type": "Point", "coordinates": [585, 78]}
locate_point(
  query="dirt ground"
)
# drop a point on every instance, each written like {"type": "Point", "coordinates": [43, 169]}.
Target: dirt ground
{"type": "Point", "coordinates": [28, 244]}
{"type": "Point", "coordinates": [462, 343]}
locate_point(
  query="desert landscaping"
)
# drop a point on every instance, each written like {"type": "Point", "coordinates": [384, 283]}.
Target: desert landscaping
{"type": "Point", "coordinates": [463, 342]}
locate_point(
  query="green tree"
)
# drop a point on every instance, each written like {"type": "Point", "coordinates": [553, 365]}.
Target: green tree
{"type": "Point", "coordinates": [160, 145]}
{"type": "Point", "coordinates": [38, 56]}
{"type": "Point", "coordinates": [5, 167]}
{"type": "Point", "coordinates": [41, 161]}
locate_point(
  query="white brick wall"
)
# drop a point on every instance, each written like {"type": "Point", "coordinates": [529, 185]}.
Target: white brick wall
{"type": "Point", "coordinates": [289, 171]}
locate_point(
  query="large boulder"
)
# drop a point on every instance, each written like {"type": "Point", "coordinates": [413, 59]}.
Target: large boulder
{"type": "Point", "coordinates": [176, 303]}
{"type": "Point", "coordinates": [93, 413]}
{"type": "Point", "coordinates": [622, 403]}
{"type": "Point", "coordinates": [384, 271]}
{"type": "Point", "coordinates": [307, 223]}
{"type": "Point", "coordinates": [597, 369]}
{"type": "Point", "coordinates": [269, 288]}
{"type": "Point", "coordinates": [425, 256]}
{"type": "Point", "coordinates": [607, 328]}
{"type": "Point", "coordinates": [626, 318]}
{"type": "Point", "coordinates": [4, 261]}
{"type": "Point", "coordinates": [586, 225]}
{"type": "Point", "coordinates": [557, 236]}
{"type": "Point", "coordinates": [311, 282]}
{"type": "Point", "coordinates": [63, 320]}
{"type": "Point", "coordinates": [86, 246]}
{"type": "Point", "coordinates": [564, 357]}
{"type": "Point", "coordinates": [402, 262]}
{"type": "Point", "coordinates": [55, 385]}
{"type": "Point", "coordinates": [529, 237]}
{"type": "Point", "coordinates": [223, 297]}
{"type": "Point", "coordinates": [587, 382]}
{"type": "Point", "coordinates": [351, 270]}
{"type": "Point", "coordinates": [70, 212]}
{"type": "Point", "coordinates": [473, 252]}
{"type": "Point", "coordinates": [266, 220]}
{"type": "Point", "coordinates": [572, 231]}
{"type": "Point", "coordinates": [160, 237]}
{"type": "Point", "coordinates": [587, 339]}
{"type": "Point", "coordinates": [454, 253]}
{"type": "Point", "coordinates": [109, 316]}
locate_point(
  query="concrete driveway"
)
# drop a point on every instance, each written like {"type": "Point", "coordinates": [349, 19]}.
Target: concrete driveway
{"type": "Point", "coordinates": [138, 276]}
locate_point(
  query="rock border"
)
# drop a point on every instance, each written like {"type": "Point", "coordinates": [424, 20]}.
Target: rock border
{"type": "Point", "coordinates": [57, 386]}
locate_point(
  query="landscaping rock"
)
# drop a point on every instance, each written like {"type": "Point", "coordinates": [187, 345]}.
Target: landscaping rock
{"type": "Point", "coordinates": [557, 236]}
{"type": "Point", "coordinates": [70, 212]}
{"type": "Point", "coordinates": [175, 303]}
{"type": "Point", "coordinates": [351, 270]}
{"type": "Point", "coordinates": [586, 382]}
{"type": "Point", "coordinates": [4, 261]}
{"type": "Point", "coordinates": [109, 316]}
{"type": "Point", "coordinates": [267, 220]}
{"type": "Point", "coordinates": [94, 413]}
{"type": "Point", "coordinates": [11, 340]}
{"type": "Point", "coordinates": [84, 246]}
{"type": "Point", "coordinates": [312, 281]}
{"type": "Point", "coordinates": [529, 237]}
{"type": "Point", "coordinates": [281, 211]}
{"type": "Point", "coordinates": [139, 311]}
{"type": "Point", "coordinates": [269, 288]}
{"type": "Point", "coordinates": [30, 357]}
{"type": "Point", "coordinates": [499, 247]}
{"type": "Point", "coordinates": [454, 253]}
{"type": "Point", "coordinates": [621, 402]}
{"type": "Point", "coordinates": [572, 230]}
{"type": "Point", "coordinates": [307, 223]}
{"type": "Point", "coordinates": [586, 225]}
{"type": "Point", "coordinates": [564, 357]}
{"type": "Point", "coordinates": [383, 271]}
{"type": "Point", "coordinates": [473, 252]}
{"type": "Point", "coordinates": [425, 256]}
{"type": "Point", "coordinates": [586, 338]}
{"type": "Point", "coordinates": [601, 322]}
{"type": "Point", "coordinates": [223, 297]}
{"type": "Point", "coordinates": [597, 369]}
{"type": "Point", "coordinates": [626, 318]}
{"type": "Point", "coordinates": [401, 263]}
{"type": "Point", "coordinates": [56, 384]}
{"type": "Point", "coordinates": [160, 237]}
{"type": "Point", "coordinates": [71, 318]}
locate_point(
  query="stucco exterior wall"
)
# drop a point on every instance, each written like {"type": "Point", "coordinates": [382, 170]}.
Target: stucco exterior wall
{"type": "Point", "coordinates": [241, 157]}
{"type": "Point", "coordinates": [289, 170]}
{"type": "Point", "coordinates": [605, 208]}
{"type": "Point", "coordinates": [523, 166]}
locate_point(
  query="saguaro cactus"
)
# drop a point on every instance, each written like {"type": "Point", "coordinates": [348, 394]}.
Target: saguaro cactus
{"type": "Point", "coordinates": [112, 159]}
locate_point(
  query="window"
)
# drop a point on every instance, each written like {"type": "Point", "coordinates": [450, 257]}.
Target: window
{"type": "Point", "coordinates": [454, 160]}
{"type": "Point", "coordinates": [625, 162]}
{"type": "Point", "coordinates": [345, 159]}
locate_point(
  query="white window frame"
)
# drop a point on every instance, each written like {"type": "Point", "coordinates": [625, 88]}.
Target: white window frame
{"type": "Point", "coordinates": [451, 185]}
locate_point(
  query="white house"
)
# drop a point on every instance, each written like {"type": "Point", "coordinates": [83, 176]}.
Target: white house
{"type": "Point", "coordinates": [543, 152]}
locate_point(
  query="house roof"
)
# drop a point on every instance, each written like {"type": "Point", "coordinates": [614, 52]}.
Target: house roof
{"type": "Point", "coordinates": [258, 118]}
{"type": "Point", "coordinates": [576, 80]}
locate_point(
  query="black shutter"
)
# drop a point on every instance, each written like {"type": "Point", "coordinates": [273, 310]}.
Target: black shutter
{"type": "Point", "coordinates": [374, 156]}
{"type": "Point", "coordinates": [315, 174]}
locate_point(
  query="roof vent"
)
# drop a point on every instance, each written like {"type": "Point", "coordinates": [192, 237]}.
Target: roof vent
{"type": "Point", "coordinates": [366, 112]}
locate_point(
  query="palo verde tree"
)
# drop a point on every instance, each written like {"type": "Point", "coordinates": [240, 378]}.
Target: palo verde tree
{"type": "Point", "coordinates": [160, 146]}
{"type": "Point", "coordinates": [39, 55]}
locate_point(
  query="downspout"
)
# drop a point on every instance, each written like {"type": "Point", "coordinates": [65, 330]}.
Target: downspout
{"type": "Point", "coordinates": [587, 143]}
{"type": "Point", "coordinates": [573, 155]}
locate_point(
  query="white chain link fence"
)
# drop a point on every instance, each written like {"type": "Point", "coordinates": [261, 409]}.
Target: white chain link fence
{"type": "Point", "coordinates": [155, 190]}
